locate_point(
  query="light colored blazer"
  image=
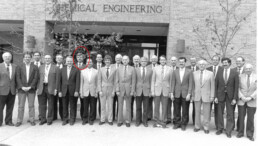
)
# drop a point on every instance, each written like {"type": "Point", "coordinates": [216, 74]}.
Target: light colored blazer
{"type": "Point", "coordinates": [7, 85]}
{"type": "Point", "coordinates": [161, 84]}
{"type": "Point", "coordinates": [207, 89]}
{"type": "Point", "coordinates": [125, 86]}
{"type": "Point", "coordinates": [89, 84]}
{"type": "Point", "coordinates": [107, 85]}
{"type": "Point", "coordinates": [143, 85]}
{"type": "Point", "coordinates": [244, 91]}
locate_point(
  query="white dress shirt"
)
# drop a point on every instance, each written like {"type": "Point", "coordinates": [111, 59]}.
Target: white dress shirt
{"type": "Point", "coordinates": [68, 71]}
{"type": "Point", "coordinates": [89, 70]}
{"type": "Point", "coordinates": [228, 72]}
{"type": "Point", "coordinates": [215, 67]}
{"type": "Point", "coordinates": [27, 72]}
{"type": "Point", "coordinates": [37, 63]}
{"type": "Point", "coordinates": [46, 73]}
{"type": "Point", "coordinates": [10, 69]}
{"type": "Point", "coordinates": [144, 70]}
{"type": "Point", "coordinates": [99, 65]}
{"type": "Point", "coordinates": [181, 73]}
{"type": "Point", "coordinates": [59, 66]}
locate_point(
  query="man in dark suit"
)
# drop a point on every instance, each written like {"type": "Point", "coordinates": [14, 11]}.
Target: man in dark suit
{"type": "Point", "coordinates": [182, 84]}
{"type": "Point", "coordinates": [7, 88]}
{"type": "Point", "coordinates": [27, 79]}
{"type": "Point", "coordinates": [215, 68]}
{"type": "Point", "coordinates": [58, 101]}
{"type": "Point", "coordinates": [69, 79]}
{"type": "Point", "coordinates": [226, 92]}
{"type": "Point", "coordinates": [194, 68]}
{"type": "Point", "coordinates": [47, 89]}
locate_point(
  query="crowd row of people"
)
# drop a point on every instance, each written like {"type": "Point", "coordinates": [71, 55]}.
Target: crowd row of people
{"type": "Point", "coordinates": [116, 86]}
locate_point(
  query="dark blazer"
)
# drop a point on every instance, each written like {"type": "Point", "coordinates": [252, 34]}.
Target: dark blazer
{"type": "Point", "coordinates": [236, 70]}
{"type": "Point", "coordinates": [22, 78]}
{"type": "Point", "coordinates": [72, 84]}
{"type": "Point", "coordinates": [53, 82]}
{"type": "Point", "coordinates": [231, 86]}
{"type": "Point", "coordinates": [211, 69]}
{"type": "Point", "coordinates": [7, 84]}
{"type": "Point", "coordinates": [185, 87]}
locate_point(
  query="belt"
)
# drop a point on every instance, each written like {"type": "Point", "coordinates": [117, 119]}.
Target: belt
{"type": "Point", "coordinates": [45, 84]}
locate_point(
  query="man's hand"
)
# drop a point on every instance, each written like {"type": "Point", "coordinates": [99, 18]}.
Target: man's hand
{"type": "Point", "coordinates": [76, 94]}
{"type": "Point", "coordinates": [28, 88]}
{"type": "Point", "coordinates": [211, 99]}
{"type": "Point", "coordinates": [188, 97]}
{"type": "Point", "coordinates": [100, 94]}
{"type": "Point", "coordinates": [216, 100]}
{"type": "Point", "coordinates": [152, 94]}
{"type": "Point", "coordinates": [248, 99]}
{"type": "Point", "coordinates": [233, 102]}
{"type": "Point", "coordinates": [55, 92]}
{"type": "Point", "coordinates": [60, 94]}
{"type": "Point", "coordinates": [113, 94]}
{"type": "Point", "coordinates": [117, 93]}
{"type": "Point", "coordinates": [24, 89]}
{"type": "Point", "coordinates": [131, 94]}
{"type": "Point", "coordinates": [172, 96]}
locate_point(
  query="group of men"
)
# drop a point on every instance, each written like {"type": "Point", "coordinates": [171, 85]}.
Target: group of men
{"type": "Point", "coordinates": [116, 86]}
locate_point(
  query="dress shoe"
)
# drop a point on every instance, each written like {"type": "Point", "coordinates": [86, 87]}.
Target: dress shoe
{"type": "Point", "coordinates": [155, 125]}
{"type": "Point", "coordinates": [18, 124]}
{"type": "Point", "coordinates": [72, 123]}
{"type": "Point", "coordinates": [196, 130]}
{"type": "Point", "coordinates": [84, 122]}
{"type": "Point", "coordinates": [49, 123]}
{"type": "Point", "coordinates": [206, 131]}
{"type": "Point", "coordinates": [149, 119]}
{"type": "Point", "coordinates": [228, 135]}
{"type": "Point", "coordinates": [42, 122]}
{"type": "Point", "coordinates": [91, 122]}
{"type": "Point", "coordinates": [64, 123]}
{"type": "Point", "coordinates": [119, 124]}
{"type": "Point", "coordinates": [239, 135]}
{"type": "Point", "coordinates": [127, 124]}
{"type": "Point", "coordinates": [145, 124]}
{"type": "Point", "coordinates": [219, 132]}
{"type": "Point", "coordinates": [168, 122]}
{"type": "Point", "coordinates": [137, 124]}
{"type": "Point", "coordinates": [110, 123]}
{"type": "Point", "coordinates": [10, 124]}
{"type": "Point", "coordinates": [183, 127]}
{"type": "Point", "coordinates": [32, 123]}
{"type": "Point", "coordinates": [176, 126]}
{"type": "Point", "coordinates": [101, 123]}
{"type": "Point", "coordinates": [251, 138]}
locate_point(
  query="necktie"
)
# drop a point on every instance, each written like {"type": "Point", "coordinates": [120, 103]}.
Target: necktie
{"type": "Point", "coordinates": [107, 73]}
{"type": "Point", "coordinates": [125, 72]}
{"type": "Point", "coordinates": [162, 72]}
{"type": "Point", "coordinates": [201, 76]}
{"type": "Point", "coordinates": [248, 81]}
{"type": "Point", "coordinates": [226, 76]}
{"type": "Point", "coordinates": [8, 70]}
{"type": "Point", "coordinates": [37, 64]}
{"type": "Point", "coordinates": [68, 72]}
{"type": "Point", "coordinates": [192, 68]}
{"type": "Point", "coordinates": [239, 71]}
{"type": "Point", "coordinates": [214, 70]}
{"type": "Point", "coordinates": [143, 73]}
{"type": "Point", "coordinates": [98, 66]}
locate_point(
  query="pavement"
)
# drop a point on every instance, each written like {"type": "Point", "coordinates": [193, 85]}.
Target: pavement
{"type": "Point", "coordinates": [106, 135]}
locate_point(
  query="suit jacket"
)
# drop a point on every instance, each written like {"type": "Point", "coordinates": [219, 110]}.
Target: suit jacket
{"type": "Point", "coordinates": [205, 90]}
{"type": "Point", "coordinates": [71, 84]}
{"type": "Point", "coordinates": [244, 91]}
{"type": "Point", "coordinates": [190, 67]}
{"type": "Point", "coordinates": [125, 85]}
{"type": "Point", "coordinates": [150, 66]}
{"type": "Point", "coordinates": [53, 82]}
{"type": "Point", "coordinates": [161, 84]}
{"type": "Point", "coordinates": [81, 67]}
{"type": "Point", "coordinates": [7, 85]}
{"type": "Point", "coordinates": [22, 78]}
{"type": "Point", "coordinates": [231, 87]}
{"type": "Point", "coordinates": [218, 70]}
{"type": "Point", "coordinates": [95, 65]}
{"type": "Point", "coordinates": [143, 85]}
{"type": "Point", "coordinates": [185, 87]}
{"type": "Point", "coordinates": [114, 65]}
{"type": "Point", "coordinates": [236, 70]}
{"type": "Point", "coordinates": [107, 85]}
{"type": "Point", "coordinates": [89, 86]}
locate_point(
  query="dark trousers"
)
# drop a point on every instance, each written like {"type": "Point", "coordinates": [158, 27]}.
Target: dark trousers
{"type": "Point", "coordinates": [8, 101]}
{"type": "Point", "coordinates": [141, 115]}
{"type": "Point", "coordinates": [58, 107]}
{"type": "Point", "coordinates": [46, 104]}
{"type": "Point", "coordinates": [72, 101]}
{"type": "Point", "coordinates": [115, 107]}
{"type": "Point", "coordinates": [250, 111]}
{"type": "Point", "coordinates": [150, 108]}
{"type": "Point", "coordinates": [132, 106]}
{"type": "Point", "coordinates": [215, 114]}
{"type": "Point", "coordinates": [230, 116]}
{"type": "Point", "coordinates": [193, 113]}
{"type": "Point", "coordinates": [82, 108]}
{"type": "Point", "coordinates": [89, 108]}
{"type": "Point", "coordinates": [169, 117]}
{"type": "Point", "coordinates": [178, 118]}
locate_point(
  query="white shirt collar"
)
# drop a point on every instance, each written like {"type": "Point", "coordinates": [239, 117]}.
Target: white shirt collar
{"type": "Point", "coordinates": [6, 64]}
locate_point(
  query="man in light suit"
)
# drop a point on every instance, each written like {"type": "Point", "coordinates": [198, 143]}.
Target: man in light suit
{"type": "Point", "coordinates": [89, 92]}
{"type": "Point", "coordinates": [136, 64]}
{"type": "Point", "coordinates": [203, 95]}
{"type": "Point", "coordinates": [69, 79]}
{"type": "Point", "coordinates": [118, 59]}
{"type": "Point", "coordinates": [160, 89]}
{"type": "Point", "coordinates": [106, 88]}
{"type": "Point", "coordinates": [47, 89]}
{"type": "Point", "coordinates": [143, 92]}
{"type": "Point", "coordinates": [125, 88]}
{"type": "Point", "coordinates": [226, 94]}
{"type": "Point", "coordinates": [182, 84]}
{"type": "Point", "coordinates": [27, 78]}
{"type": "Point", "coordinates": [7, 88]}
{"type": "Point", "coordinates": [215, 68]}
{"type": "Point", "coordinates": [247, 102]}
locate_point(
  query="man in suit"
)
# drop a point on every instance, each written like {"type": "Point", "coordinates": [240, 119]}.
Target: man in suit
{"type": "Point", "coordinates": [154, 63]}
{"type": "Point", "coordinates": [203, 95]}
{"type": "Point", "coordinates": [47, 89]}
{"type": "Point", "coordinates": [125, 88]}
{"type": "Point", "coordinates": [173, 66]}
{"type": "Point", "coordinates": [69, 79]}
{"type": "Point", "coordinates": [118, 59]}
{"type": "Point", "coordinates": [226, 93]}
{"type": "Point", "coordinates": [136, 64]}
{"type": "Point", "coordinates": [247, 102]}
{"type": "Point", "coordinates": [89, 92]}
{"type": "Point", "coordinates": [194, 68]}
{"type": "Point", "coordinates": [27, 79]}
{"type": "Point", "coordinates": [215, 68]}
{"type": "Point", "coordinates": [7, 88]}
{"type": "Point", "coordinates": [59, 64]}
{"type": "Point", "coordinates": [160, 89]}
{"type": "Point", "coordinates": [182, 84]}
{"type": "Point", "coordinates": [106, 88]}
{"type": "Point", "coordinates": [142, 92]}
{"type": "Point", "coordinates": [80, 57]}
